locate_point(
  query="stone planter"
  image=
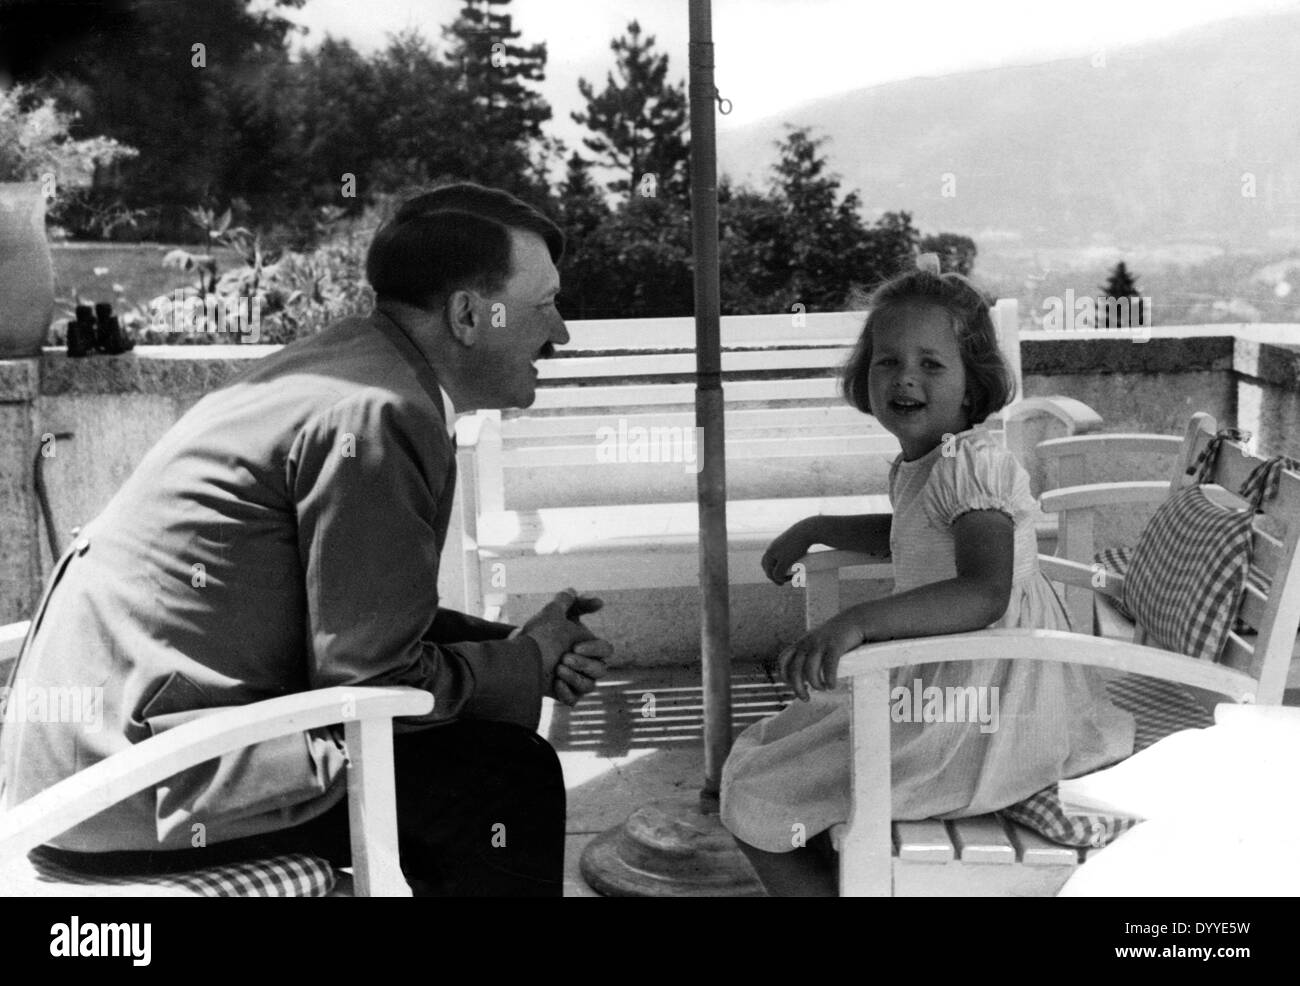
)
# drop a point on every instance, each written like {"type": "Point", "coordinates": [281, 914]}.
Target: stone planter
{"type": "Point", "coordinates": [26, 274]}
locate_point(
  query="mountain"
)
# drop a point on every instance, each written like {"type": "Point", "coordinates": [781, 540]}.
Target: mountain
{"type": "Point", "coordinates": [1193, 138]}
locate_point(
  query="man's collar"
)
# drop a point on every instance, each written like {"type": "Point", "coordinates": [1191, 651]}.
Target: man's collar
{"type": "Point", "coordinates": [419, 360]}
{"type": "Point", "coordinates": [448, 412]}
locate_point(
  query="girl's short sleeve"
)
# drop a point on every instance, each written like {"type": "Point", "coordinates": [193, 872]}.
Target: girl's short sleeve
{"type": "Point", "coordinates": [980, 475]}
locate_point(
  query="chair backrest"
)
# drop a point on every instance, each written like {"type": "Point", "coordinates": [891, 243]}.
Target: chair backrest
{"type": "Point", "coordinates": [1271, 603]}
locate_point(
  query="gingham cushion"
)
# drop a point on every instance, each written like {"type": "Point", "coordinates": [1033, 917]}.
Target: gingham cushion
{"type": "Point", "coordinates": [1188, 573]}
{"type": "Point", "coordinates": [1159, 708]}
{"type": "Point", "coordinates": [291, 875]}
{"type": "Point", "coordinates": [1116, 560]}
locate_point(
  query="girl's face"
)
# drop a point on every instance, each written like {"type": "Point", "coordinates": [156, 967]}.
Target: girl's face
{"type": "Point", "coordinates": [916, 382]}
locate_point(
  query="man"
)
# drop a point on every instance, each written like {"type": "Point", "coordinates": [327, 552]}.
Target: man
{"type": "Point", "coordinates": [284, 536]}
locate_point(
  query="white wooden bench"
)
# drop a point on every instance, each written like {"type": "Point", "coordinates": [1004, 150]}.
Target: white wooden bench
{"type": "Point", "coordinates": [539, 508]}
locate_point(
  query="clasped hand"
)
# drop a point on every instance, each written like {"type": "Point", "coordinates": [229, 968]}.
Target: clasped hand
{"type": "Point", "coordinates": [573, 657]}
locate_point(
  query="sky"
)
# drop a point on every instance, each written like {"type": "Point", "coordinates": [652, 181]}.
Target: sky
{"type": "Point", "coordinates": [773, 55]}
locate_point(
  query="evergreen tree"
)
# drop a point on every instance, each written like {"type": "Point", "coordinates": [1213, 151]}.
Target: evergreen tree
{"type": "Point", "coordinates": [500, 114]}
{"type": "Point", "coordinates": [639, 121]}
{"type": "Point", "coordinates": [823, 246]}
{"type": "Point", "coordinates": [1120, 283]}
{"type": "Point", "coordinates": [339, 113]}
{"type": "Point", "coordinates": [419, 137]}
{"type": "Point", "coordinates": [638, 263]}
{"type": "Point", "coordinates": [582, 212]}
{"type": "Point", "coordinates": [132, 71]}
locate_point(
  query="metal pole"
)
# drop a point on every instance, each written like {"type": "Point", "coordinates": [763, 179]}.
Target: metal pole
{"type": "Point", "coordinates": [715, 629]}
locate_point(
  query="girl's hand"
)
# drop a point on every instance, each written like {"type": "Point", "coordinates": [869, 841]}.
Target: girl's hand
{"type": "Point", "coordinates": [812, 659]}
{"type": "Point", "coordinates": [784, 551]}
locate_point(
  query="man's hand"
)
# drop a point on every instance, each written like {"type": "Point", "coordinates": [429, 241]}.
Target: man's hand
{"type": "Point", "coordinates": [578, 670]}
{"type": "Point", "coordinates": [572, 656]}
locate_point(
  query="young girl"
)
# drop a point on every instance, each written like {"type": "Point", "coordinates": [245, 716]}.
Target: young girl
{"type": "Point", "coordinates": [964, 553]}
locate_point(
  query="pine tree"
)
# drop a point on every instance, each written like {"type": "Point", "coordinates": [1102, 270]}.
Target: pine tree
{"type": "Point", "coordinates": [1120, 284]}
{"type": "Point", "coordinates": [500, 114]}
{"type": "Point", "coordinates": [582, 212]}
{"type": "Point", "coordinates": [639, 121]}
{"type": "Point", "coordinates": [824, 245]}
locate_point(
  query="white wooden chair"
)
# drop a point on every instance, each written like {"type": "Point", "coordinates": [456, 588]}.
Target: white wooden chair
{"type": "Point", "coordinates": [1065, 462]}
{"type": "Point", "coordinates": [1080, 507]}
{"type": "Point", "coordinates": [366, 715]}
{"type": "Point", "coordinates": [956, 857]}
{"type": "Point", "coordinates": [1247, 672]}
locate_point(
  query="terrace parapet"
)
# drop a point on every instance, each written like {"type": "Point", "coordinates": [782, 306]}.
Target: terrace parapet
{"type": "Point", "coordinates": [117, 407]}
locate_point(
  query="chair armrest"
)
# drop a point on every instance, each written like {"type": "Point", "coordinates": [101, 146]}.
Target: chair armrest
{"type": "Point", "coordinates": [1077, 416]}
{"type": "Point", "coordinates": [1081, 575]}
{"type": "Point", "coordinates": [1117, 443]}
{"type": "Point", "coordinates": [835, 558]}
{"type": "Point", "coordinates": [470, 428]}
{"type": "Point", "coordinates": [1103, 495]}
{"type": "Point", "coordinates": [12, 636]}
{"type": "Point", "coordinates": [70, 802]}
{"type": "Point", "coordinates": [1049, 645]}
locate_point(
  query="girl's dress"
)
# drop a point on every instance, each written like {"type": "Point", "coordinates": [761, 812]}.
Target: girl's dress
{"type": "Point", "coordinates": [1053, 720]}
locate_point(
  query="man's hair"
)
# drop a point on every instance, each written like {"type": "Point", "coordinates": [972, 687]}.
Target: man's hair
{"type": "Point", "coordinates": [453, 237]}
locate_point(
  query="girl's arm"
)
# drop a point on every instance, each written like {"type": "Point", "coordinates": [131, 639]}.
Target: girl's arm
{"type": "Point", "coordinates": [863, 532]}
{"type": "Point", "coordinates": [868, 533]}
{"type": "Point", "coordinates": [976, 597]}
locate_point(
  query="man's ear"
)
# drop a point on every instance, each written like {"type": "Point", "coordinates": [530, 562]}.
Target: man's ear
{"type": "Point", "coordinates": [462, 316]}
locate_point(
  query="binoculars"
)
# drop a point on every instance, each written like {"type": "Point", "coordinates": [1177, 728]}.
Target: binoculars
{"type": "Point", "coordinates": [101, 332]}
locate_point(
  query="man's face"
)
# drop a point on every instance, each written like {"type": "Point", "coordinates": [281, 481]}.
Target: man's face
{"type": "Point", "coordinates": [518, 325]}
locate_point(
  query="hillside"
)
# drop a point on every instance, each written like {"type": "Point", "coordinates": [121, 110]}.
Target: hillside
{"type": "Point", "coordinates": [1149, 148]}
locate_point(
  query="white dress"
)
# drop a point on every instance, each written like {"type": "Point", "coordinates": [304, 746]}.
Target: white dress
{"type": "Point", "coordinates": [788, 776]}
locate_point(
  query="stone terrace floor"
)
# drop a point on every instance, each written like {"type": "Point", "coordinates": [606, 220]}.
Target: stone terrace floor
{"type": "Point", "coordinates": [639, 738]}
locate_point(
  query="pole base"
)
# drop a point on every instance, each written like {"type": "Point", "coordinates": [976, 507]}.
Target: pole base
{"type": "Point", "coordinates": [669, 849]}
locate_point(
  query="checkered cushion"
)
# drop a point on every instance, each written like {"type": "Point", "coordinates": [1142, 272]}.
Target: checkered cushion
{"type": "Point", "coordinates": [1116, 560]}
{"type": "Point", "coordinates": [1188, 573]}
{"type": "Point", "coordinates": [1159, 708]}
{"type": "Point", "coordinates": [292, 875]}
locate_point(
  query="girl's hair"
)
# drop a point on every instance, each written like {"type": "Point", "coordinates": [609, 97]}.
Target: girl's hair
{"type": "Point", "coordinates": [989, 383]}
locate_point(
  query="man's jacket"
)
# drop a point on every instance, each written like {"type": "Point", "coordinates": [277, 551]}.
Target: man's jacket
{"type": "Point", "coordinates": [283, 536]}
